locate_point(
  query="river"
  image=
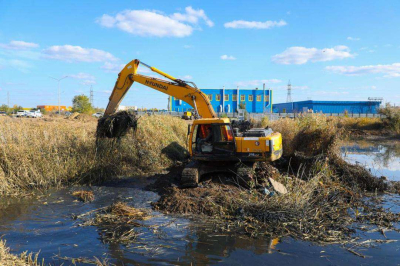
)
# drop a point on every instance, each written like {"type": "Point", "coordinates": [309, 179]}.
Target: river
{"type": "Point", "coordinates": [45, 223]}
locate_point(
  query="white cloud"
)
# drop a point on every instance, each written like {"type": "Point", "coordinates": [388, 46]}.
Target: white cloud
{"type": "Point", "coordinates": [87, 79]}
{"type": "Point", "coordinates": [227, 57]}
{"type": "Point", "coordinates": [19, 45]}
{"type": "Point", "coordinates": [81, 75]}
{"type": "Point", "coordinates": [152, 23]}
{"type": "Point", "coordinates": [300, 87]}
{"type": "Point", "coordinates": [193, 16]}
{"type": "Point", "coordinates": [329, 93]}
{"type": "Point", "coordinates": [187, 46]}
{"type": "Point", "coordinates": [284, 87]}
{"type": "Point", "coordinates": [117, 67]}
{"type": "Point", "coordinates": [388, 71]}
{"type": "Point", "coordinates": [186, 77]}
{"type": "Point", "coordinates": [301, 55]}
{"type": "Point", "coordinates": [257, 82]}
{"type": "Point", "coordinates": [72, 53]}
{"type": "Point", "coordinates": [367, 49]}
{"type": "Point", "coordinates": [353, 38]}
{"type": "Point", "coordinates": [20, 65]}
{"type": "Point", "coordinates": [243, 24]}
{"type": "Point", "coordinates": [112, 67]}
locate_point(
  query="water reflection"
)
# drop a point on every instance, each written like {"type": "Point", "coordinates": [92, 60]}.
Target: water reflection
{"type": "Point", "coordinates": [381, 158]}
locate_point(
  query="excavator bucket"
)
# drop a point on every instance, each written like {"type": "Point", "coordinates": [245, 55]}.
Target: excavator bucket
{"type": "Point", "coordinates": [116, 125]}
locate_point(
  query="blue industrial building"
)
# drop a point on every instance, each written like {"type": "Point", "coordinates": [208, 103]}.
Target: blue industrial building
{"type": "Point", "coordinates": [337, 107]}
{"type": "Point", "coordinates": [229, 100]}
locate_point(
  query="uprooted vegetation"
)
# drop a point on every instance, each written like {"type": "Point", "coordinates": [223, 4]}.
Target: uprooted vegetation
{"type": "Point", "coordinates": [325, 199]}
{"type": "Point", "coordinates": [39, 154]}
{"type": "Point", "coordinates": [117, 222]}
{"type": "Point", "coordinates": [84, 196]}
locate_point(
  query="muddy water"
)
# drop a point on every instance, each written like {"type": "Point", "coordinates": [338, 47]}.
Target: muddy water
{"type": "Point", "coordinates": [46, 224]}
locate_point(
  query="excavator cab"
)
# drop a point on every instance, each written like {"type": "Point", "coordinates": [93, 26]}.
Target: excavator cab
{"type": "Point", "coordinates": [213, 139]}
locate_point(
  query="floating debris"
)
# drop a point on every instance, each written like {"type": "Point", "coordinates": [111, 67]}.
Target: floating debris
{"type": "Point", "coordinates": [85, 196]}
{"type": "Point", "coordinates": [117, 222]}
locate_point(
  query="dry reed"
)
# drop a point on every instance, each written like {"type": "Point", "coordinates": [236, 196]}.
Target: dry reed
{"type": "Point", "coordinates": [23, 259]}
{"type": "Point", "coordinates": [117, 222]}
{"type": "Point", "coordinates": [85, 196]}
{"type": "Point", "coordinates": [38, 154]}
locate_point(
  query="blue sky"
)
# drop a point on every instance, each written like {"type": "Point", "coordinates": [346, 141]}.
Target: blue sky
{"type": "Point", "coordinates": [330, 50]}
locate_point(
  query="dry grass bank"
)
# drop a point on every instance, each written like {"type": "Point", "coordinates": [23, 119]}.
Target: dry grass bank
{"type": "Point", "coordinates": [38, 154]}
{"type": "Point", "coordinates": [23, 259]}
{"type": "Point", "coordinates": [31, 259]}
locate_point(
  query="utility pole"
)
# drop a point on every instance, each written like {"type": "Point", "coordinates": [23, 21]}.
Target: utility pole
{"type": "Point", "coordinates": [289, 93]}
{"type": "Point", "coordinates": [91, 95]}
{"type": "Point", "coordinates": [263, 98]}
{"type": "Point", "coordinates": [8, 99]}
{"type": "Point", "coordinates": [58, 81]}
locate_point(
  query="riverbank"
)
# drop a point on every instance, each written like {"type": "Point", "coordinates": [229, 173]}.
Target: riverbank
{"type": "Point", "coordinates": [50, 223]}
{"type": "Point", "coordinates": [53, 152]}
{"type": "Point", "coordinates": [325, 201]}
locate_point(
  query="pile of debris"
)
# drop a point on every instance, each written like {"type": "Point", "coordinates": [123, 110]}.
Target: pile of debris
{"type": "Point", "coordinates": [117, 222]}
{"type": "Point", "coordinates": [321, 189]}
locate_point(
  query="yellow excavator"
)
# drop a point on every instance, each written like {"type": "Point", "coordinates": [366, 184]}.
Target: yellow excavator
{"type": "Point", "coordinates": [214, 144]}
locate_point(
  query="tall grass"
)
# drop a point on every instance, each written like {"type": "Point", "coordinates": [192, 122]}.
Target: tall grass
{"type": "Point", "coordinates": [38, 154]}
{"type": "Point", "coordinates": [311, 134]}
{"type": "Point", "coordinates": [392, 120]}
{"type": "Point", "coordinates": [23, 259]}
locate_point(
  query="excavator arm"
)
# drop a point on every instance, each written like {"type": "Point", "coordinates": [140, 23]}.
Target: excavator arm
{"type": "Point", "coordinates": [177, 88]}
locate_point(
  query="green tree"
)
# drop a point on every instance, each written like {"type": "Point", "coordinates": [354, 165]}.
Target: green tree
{"type": "Point", "coordinates": [81, 104]}
{"type": "Point", "coordinates": [16, 108]}
{"type": "Point", "coordinates": [98, 109]}
{"type": "Point", "coordinates": [5, 108]}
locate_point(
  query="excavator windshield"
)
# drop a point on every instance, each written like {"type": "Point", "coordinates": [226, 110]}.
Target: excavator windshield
{"type": "Point", "coordinates": [213, 139]}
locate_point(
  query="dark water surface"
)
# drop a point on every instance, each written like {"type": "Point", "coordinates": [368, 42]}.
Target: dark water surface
{"type": "Point", "coordinates": [45, 224]}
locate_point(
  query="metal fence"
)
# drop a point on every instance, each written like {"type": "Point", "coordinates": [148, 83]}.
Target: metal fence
{"type": "Point", "coordinates": [271, 116]}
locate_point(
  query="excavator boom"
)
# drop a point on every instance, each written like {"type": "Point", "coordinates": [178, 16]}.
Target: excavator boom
{"type": "Point", "coordinates": [177, 88]}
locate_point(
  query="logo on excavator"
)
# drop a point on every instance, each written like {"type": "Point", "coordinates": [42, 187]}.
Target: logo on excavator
{"type": "Point", "coordinates": [160, 86]}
